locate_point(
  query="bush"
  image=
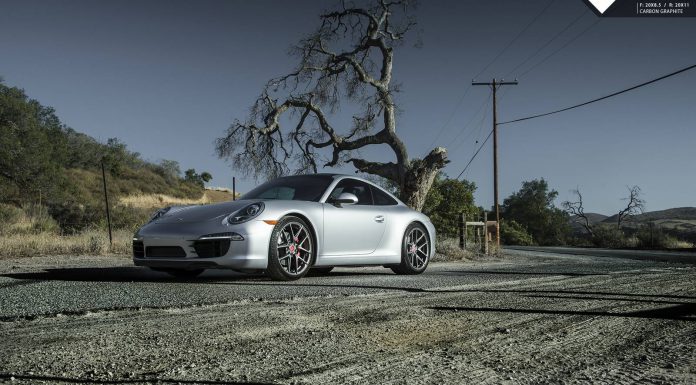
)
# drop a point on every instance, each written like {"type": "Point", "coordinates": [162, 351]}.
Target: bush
{"type": "Point", "coordinates": [653, 237]}
{"type": "Point", "coordinates": [73, 218]}
{"type": "Point", "coordinates": [608, 236]}
{"type": "Point", "coordinates": [9, 215]}
{"type": "Point", "coordinates": [445, 202]}
{"type": "Point", "coordinates": [513, 233]}
{"type": "Point", "coordinates": [128, 217]}
{"type": "Point", "coordinates": [29, 219]}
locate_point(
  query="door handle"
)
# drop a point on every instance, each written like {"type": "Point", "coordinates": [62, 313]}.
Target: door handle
{"type": "Point", "coordinates": [379, 218]}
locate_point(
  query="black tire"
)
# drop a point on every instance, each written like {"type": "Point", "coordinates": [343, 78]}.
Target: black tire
{"type": "Point", "coordinates": [181, 273]}
{"type": "Point", "coordinates": [415, 251]}
{"type": "Point", "coordinates": [319, 271]}
{"type": "Point", "coordinates": [292, 258]}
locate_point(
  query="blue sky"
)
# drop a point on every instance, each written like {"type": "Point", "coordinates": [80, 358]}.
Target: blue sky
{"type": "Point", "coordinates": [168, 77]}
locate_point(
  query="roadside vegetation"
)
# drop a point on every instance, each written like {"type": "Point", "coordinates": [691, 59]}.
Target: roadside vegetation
{"type": "Point", "coordinates": [51, 188]}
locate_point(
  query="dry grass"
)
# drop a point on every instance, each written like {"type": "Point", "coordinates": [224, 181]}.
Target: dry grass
{"type": "Point", "coordinates": [447, 249]}
{"type": "Point", "coordinates": [30, 219]}
{"type": "Point", "coordinates": [90, 242]}
{"type": "Point", "coordinates": [151, 201]}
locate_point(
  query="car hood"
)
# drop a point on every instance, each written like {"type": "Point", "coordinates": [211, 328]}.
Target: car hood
{"type": "Point", "coordinates": [202, 213]}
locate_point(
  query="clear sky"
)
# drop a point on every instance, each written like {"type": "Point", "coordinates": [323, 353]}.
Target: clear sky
{"type": "Point", "coordinates": [168, 77]}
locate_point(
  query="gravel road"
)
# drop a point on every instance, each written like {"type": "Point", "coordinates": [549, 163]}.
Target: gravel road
{"type": "Point", "coordinates": [528, 318]}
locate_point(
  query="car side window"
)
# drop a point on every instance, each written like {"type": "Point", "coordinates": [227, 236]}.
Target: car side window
{"type": "Point", "coordinates": [381, 198]}
{"type": "Point", "coordinates": [279, 192]}
{"type": "Point", "coordinates": [355, 187]}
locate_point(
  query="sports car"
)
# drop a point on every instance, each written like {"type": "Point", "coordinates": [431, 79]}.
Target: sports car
{"type": "Point", "coordinates": [289, 227]}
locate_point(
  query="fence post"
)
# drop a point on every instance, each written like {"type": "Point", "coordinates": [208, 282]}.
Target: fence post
{"type": "Point", "coordinates": [234, 188]}
{"type": "Point", "coordinates": [485, 232]}
{"type": "Point", "coordinates": [106, 202]}
{"type": "Point", "coordinates": [462, 231]}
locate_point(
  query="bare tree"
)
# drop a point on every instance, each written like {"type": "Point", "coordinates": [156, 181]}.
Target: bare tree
{"type": "Point", "coordinates": [349, 58]}
{"type": "Point", "coordinates": [634, 206]}
{"type": "Point", "coordinates": [577, 210]}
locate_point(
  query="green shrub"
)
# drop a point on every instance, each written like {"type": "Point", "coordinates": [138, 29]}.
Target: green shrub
{"type": "Point", "coordinates": [608, 236]}
{"type": "Point", "coordinates": [128, 217]}
{"type": "Point", "coordinates": [513, 233]}
{"type": "Point", "coordinates": [73, 217]}
{"type": "Point", "coordinates": [9, 215]}
{"type": "Point", "coordinates": [654, 237]}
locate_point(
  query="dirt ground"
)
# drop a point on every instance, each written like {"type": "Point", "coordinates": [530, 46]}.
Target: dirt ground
{"type": "Point", "coordinates": [531, 318]}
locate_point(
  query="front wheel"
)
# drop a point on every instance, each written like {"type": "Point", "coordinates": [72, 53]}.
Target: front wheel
{"type": "Point", "coordinates": [291, 249]}
{"type": "Point", "coordinates": [415, 251]}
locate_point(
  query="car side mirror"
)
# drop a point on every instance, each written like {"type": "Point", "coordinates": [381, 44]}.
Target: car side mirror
{"type": "Point", "coordinates": [346, 199]}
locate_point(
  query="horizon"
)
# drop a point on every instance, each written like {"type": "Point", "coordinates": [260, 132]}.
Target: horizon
{"type": "Point", "coordinates": [169, 79]}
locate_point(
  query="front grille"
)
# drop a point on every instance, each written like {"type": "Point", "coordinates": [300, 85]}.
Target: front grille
{"type": "Point", "coordinates": [138, 249]}
{"type": "Point", "coordinates": [164, 252]}
{"type": "Point", "coordinates": [211, 248]}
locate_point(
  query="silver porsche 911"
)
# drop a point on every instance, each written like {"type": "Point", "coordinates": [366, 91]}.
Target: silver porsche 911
{"type": "Point", "coordinates": [289, 227]}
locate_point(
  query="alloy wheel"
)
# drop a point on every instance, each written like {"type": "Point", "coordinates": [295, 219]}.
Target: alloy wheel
{"type": "Point", "coordinates": [294, 248]}
{"type": "Point", "coordinates": [417, 248]}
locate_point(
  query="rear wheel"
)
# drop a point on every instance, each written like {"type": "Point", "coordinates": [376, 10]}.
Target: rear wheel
{"type": "Point", "coordinates": [291, 250]}
{"type": "Point", "coordinates": [415, 251]}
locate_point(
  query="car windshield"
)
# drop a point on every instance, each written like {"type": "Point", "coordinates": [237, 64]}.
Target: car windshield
{"type": "Point", "coordinates": [297, 188]}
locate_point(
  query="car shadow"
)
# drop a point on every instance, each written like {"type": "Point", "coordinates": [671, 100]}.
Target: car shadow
{"type": "Point", "coordinates": [140, 274]}
{"type": "Point", "coordinates": [72, 380]}
{"type": "Point", "coordinates": [121, 274]}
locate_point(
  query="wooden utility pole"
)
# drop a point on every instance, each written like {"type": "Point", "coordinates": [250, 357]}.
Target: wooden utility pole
{"type": "Point", "coordinates": [106, 202]}
{"type": "Point", "coordinates": [495, 84]}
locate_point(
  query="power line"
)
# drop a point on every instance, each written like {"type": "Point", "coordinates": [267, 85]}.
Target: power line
{"type": "Point", "coordinates": [471, 120]}
{"type": "Point", "coordinates": [449, 120]}
{"type": "Point", "coordinates": [515, 38]}
{"type": "Point", "coordinates": [478, 139]}
{"type": "Point", "coordinates": [548, 42]}
{"type": "Point", "coordinates": [603, 97]}
{"type": "Point", "coordinates": [479, 125]}
{"type": "Point", "coordinates": [568, 108]}
{"type": "Point", "coordinates": [461, 101]}
{"type": "Point", "coordinates": [569, 42]}
{"type": "Point", "coordinates": [476, 153]}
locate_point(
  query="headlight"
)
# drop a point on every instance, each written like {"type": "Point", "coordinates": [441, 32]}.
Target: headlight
{"type": "Point", "coordinates": [245, 214]}
{"type": "Point", "coordinates": [159, 213]}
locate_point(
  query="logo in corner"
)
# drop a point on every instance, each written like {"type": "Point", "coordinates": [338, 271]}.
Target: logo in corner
{"type": "Point", "coordinates": [601, 5]}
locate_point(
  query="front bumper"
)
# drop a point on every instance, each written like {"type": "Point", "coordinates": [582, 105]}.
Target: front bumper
{"type": "Point", "coordinates": [180, 238]}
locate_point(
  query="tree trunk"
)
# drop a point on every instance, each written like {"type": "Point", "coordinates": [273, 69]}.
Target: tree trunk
{"type": "Point", "coordinates": [419, 176]}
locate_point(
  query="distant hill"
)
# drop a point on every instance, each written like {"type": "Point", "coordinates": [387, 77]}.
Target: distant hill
{"type": "Point", "coordinates": [595, 217]}
{"type": "Point", "coordinates": [687, 213]}
{"type": "Point", "coordinates": [679, 221]}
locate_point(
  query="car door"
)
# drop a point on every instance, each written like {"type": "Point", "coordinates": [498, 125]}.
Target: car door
{"type": "Point", "coordinates": [352, 229]}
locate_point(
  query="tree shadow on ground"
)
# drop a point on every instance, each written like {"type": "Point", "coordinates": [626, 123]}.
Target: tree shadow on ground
{"type": "Point", "coordinates": [54, 379]}
{"type": "Point", "coordinates": [681, 312]}
{"type": "Point", "coordinates": [496, 272]}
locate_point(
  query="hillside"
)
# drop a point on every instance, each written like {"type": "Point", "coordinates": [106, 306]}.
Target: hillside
{"type": "Point", "coordinates": [679, 222]}
{"type": "Point", "coordinates": [594, 218]}
{"type": "Point", "coordinates": [682, 213]}
{"type": "Point", "coordinates": [51, 169]}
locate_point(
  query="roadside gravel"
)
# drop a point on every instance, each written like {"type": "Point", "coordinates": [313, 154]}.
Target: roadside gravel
{"type": "Point", "coordinates": [527, 319]}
